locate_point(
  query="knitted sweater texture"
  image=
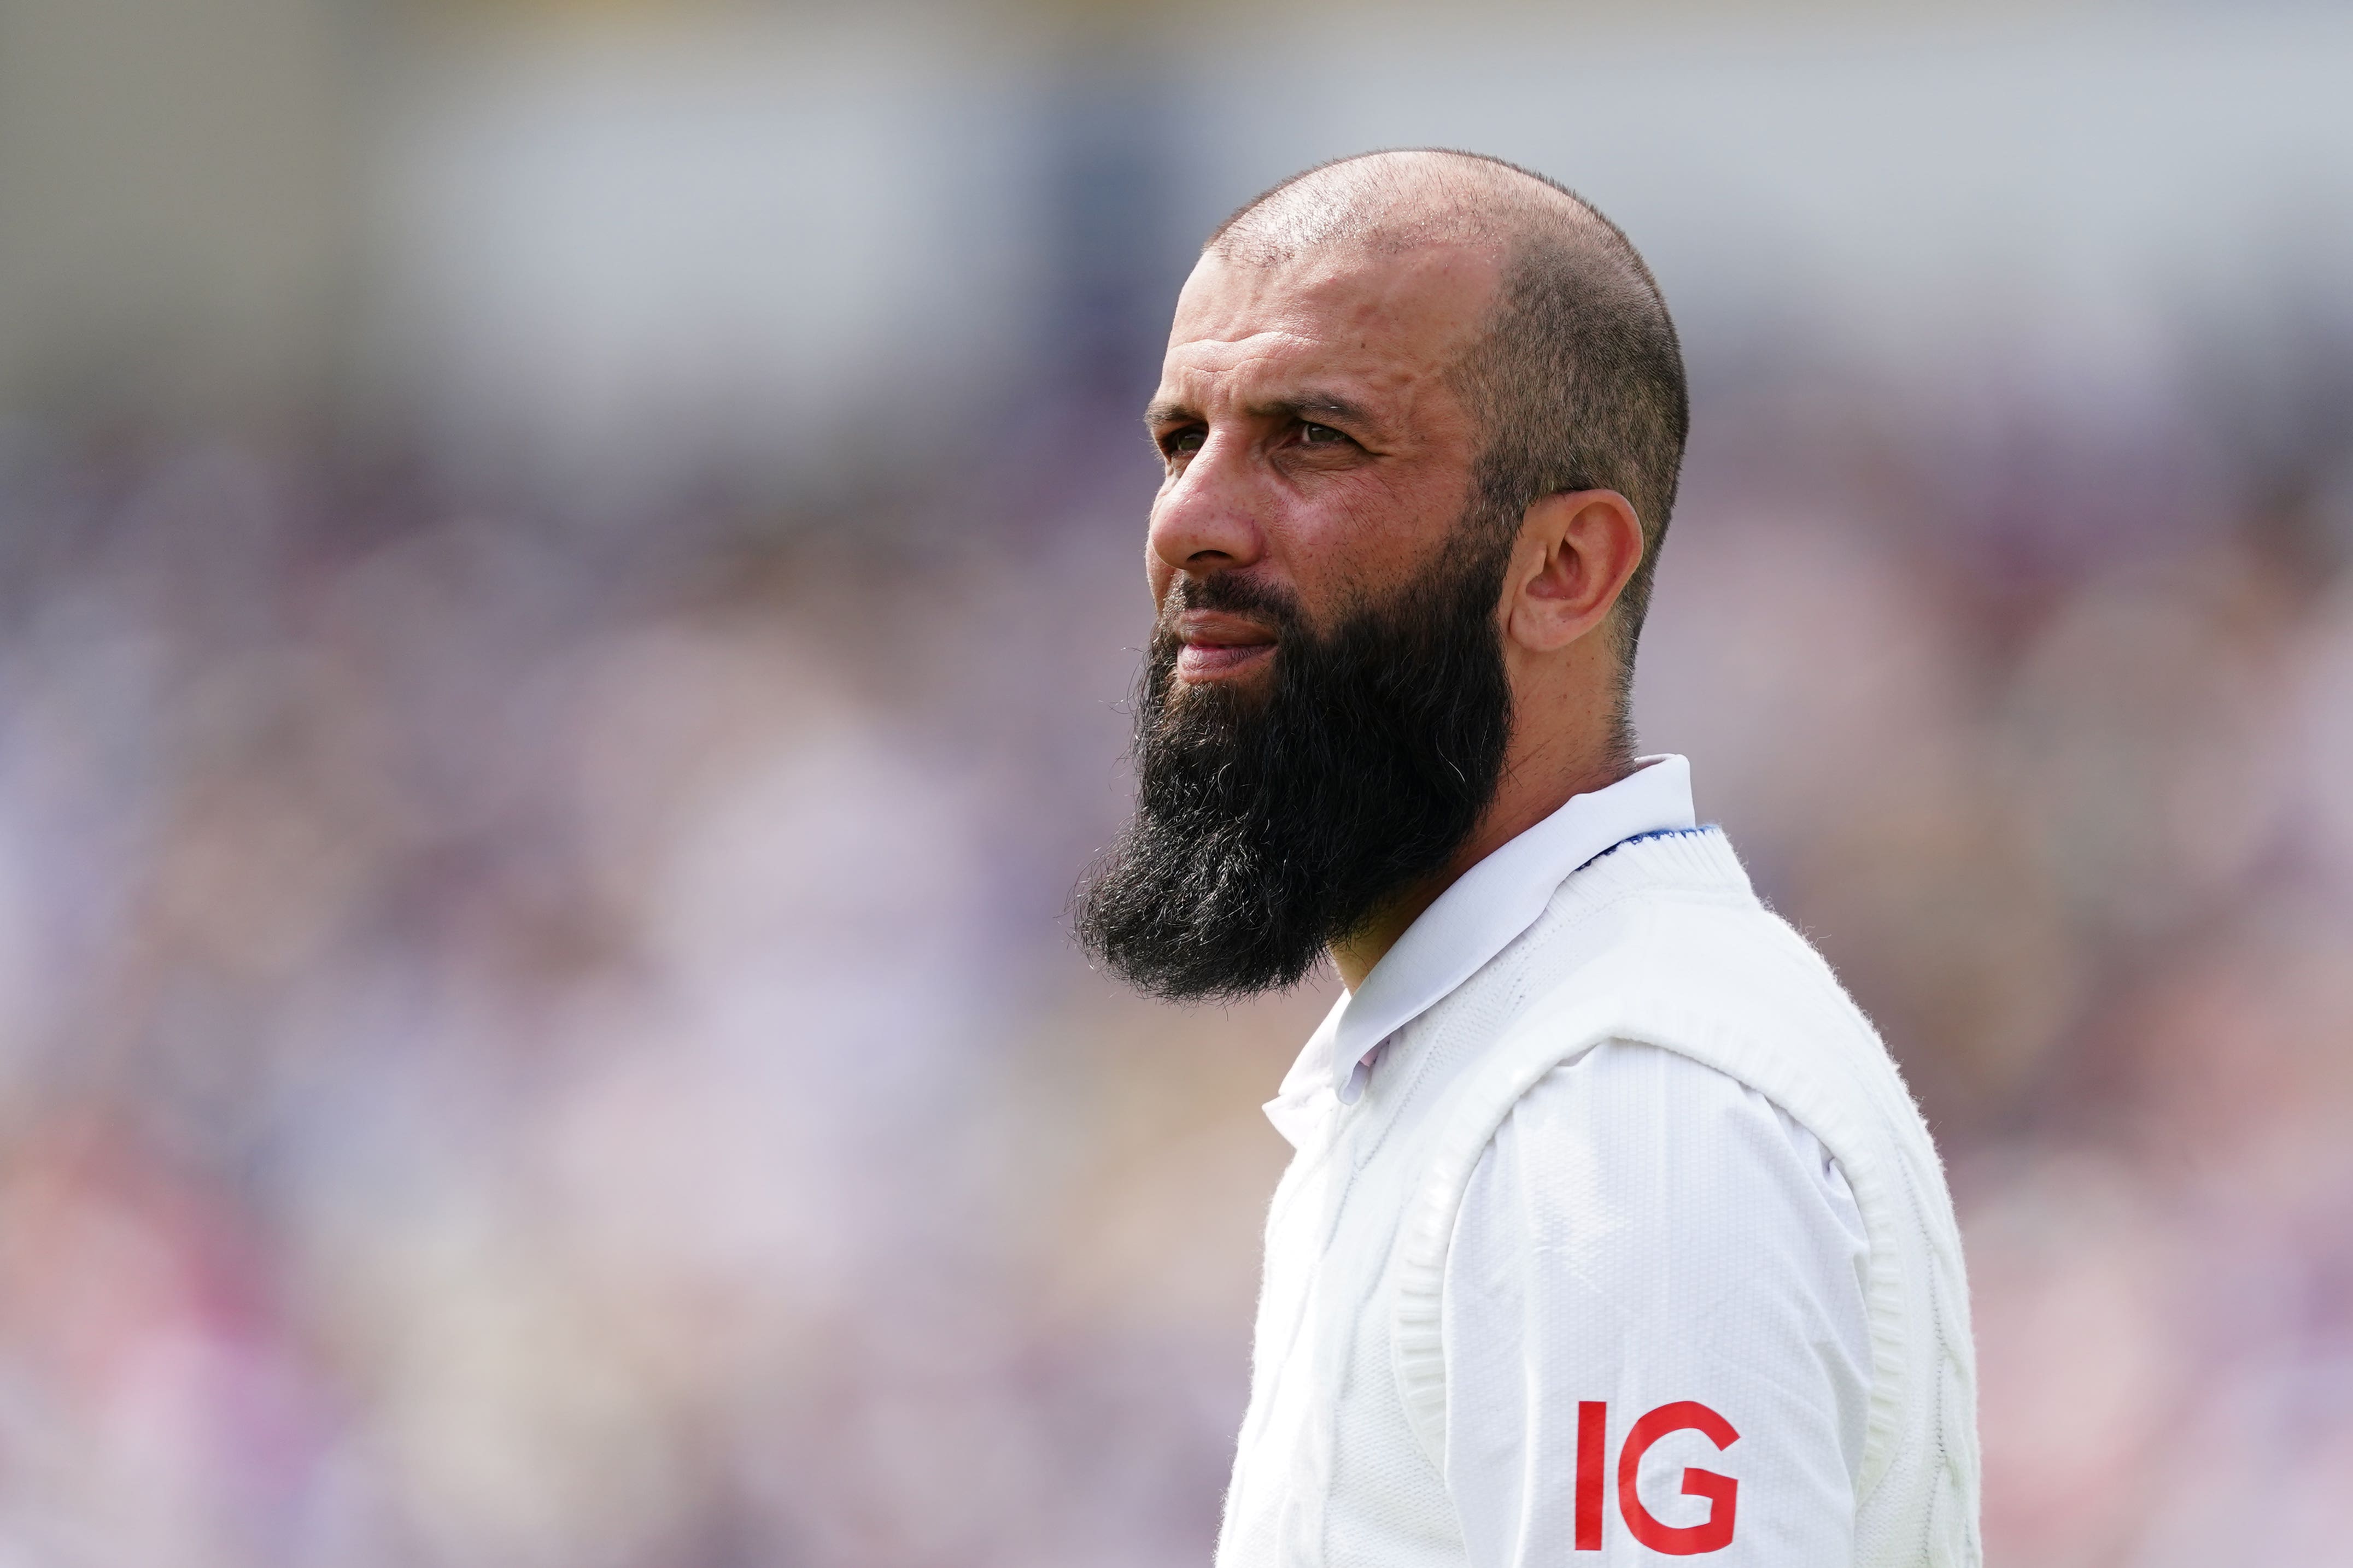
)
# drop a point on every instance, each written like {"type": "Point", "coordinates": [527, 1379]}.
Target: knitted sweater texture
{"type": "Point", "coordinates": [1342, 1461]}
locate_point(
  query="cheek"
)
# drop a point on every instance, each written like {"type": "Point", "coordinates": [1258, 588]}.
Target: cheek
{"type": "Point", "coordinates": [1367, 539]}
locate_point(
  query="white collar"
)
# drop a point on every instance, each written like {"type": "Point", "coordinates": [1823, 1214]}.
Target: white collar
{"type": "Point", "coordinates": [1475, 918]}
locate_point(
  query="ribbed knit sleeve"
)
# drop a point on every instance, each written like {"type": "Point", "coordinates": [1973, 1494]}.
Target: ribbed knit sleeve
{"type": "Point", "coordinates": [1654, 1327]}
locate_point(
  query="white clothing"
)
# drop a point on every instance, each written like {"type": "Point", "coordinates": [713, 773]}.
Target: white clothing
{"type": "Point", "coordinates": [1487, 907]}
{"type": "Point", "coordinates": [1600, 1152]}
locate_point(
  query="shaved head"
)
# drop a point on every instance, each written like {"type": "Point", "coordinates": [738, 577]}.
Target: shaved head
{"type": "Point", "coordinates": [1388, 201]}
{"type": "Point", "coordinates": [1576, 377]}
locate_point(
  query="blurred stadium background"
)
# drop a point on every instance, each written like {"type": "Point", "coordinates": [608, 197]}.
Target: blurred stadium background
{"type": "Point", "coordinates": [567, 574]}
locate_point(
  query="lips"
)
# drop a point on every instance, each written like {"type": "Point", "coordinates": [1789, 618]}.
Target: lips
{"type": "Point", "coordinates": [1216, 661]}
{"type": "Point", "coordinates": [1217, 646]}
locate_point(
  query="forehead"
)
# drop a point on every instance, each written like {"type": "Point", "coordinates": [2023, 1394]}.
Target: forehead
{"type": "Point", "coordinates": [1385, 325]}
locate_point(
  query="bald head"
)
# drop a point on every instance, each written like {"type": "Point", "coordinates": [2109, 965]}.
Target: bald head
{"type": "Point", "coordinates": [1576, 377]}
{"type": "Point", "coordinates": [1389, 202]}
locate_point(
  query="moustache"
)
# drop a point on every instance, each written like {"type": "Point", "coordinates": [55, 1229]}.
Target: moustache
{"type": "Point", "coordinates": [1224, 593]}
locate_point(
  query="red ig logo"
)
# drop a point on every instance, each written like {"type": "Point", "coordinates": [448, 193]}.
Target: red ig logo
{"type": "Point", "coordinates": [1711, 1534]}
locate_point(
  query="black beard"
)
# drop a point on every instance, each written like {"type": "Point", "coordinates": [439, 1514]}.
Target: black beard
{"type": "Point", "coordinates": [1270, 825]}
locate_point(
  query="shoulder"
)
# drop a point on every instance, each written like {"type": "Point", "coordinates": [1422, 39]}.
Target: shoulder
{"type": "Point", "coordinates": [1700, 968]}
{"type": "Point", "coordinates": [1639, 1167]}
{"type": "Point", "coordinates": [1636, 1096]}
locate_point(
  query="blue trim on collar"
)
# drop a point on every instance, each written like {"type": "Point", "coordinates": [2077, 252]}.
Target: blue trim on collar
{"type": "Point", "coordinates": [1655, 832]}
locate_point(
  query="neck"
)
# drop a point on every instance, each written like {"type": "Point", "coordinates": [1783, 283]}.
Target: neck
{"type": "Point", "coordinates": [1529, 793]}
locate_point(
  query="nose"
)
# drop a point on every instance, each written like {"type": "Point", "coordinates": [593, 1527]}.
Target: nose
{"type": "Point", "coordinates": [1204, 519]}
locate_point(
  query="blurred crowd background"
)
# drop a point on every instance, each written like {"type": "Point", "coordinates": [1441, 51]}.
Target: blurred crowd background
{"type": "Point", "coordinates": [568, 576]}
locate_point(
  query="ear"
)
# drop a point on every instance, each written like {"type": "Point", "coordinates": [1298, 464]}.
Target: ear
{"type": "Point", "coordinates": [1575, 552]}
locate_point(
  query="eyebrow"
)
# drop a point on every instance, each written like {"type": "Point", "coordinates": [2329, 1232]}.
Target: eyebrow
{"type": "Point", "coordinates": [1317, 406]}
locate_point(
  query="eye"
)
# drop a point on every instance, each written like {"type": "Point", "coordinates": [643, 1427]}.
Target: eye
{"type": "Point", "coordinates": [1314, 435]}
{"type": "Point", "coordinates": [1182, 443]}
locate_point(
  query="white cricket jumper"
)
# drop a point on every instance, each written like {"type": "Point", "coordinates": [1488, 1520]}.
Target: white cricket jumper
{"type": "Point", "coordinates": [1612, 1235]}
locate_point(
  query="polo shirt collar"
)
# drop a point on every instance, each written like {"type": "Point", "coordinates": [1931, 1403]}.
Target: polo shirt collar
{"type": "Point", "coordinates": [1486, 908]}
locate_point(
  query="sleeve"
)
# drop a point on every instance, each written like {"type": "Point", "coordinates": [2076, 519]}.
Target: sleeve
{"type": "Point", "coordinates": [1654, 1327]}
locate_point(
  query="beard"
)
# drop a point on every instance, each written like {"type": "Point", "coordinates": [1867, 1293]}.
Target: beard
{"type": "Point", "coordinates": [1273, 823]}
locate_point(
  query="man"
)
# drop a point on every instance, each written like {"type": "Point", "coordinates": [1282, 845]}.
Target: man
{"type": "Point", "coordinates": [1611, 1232]}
